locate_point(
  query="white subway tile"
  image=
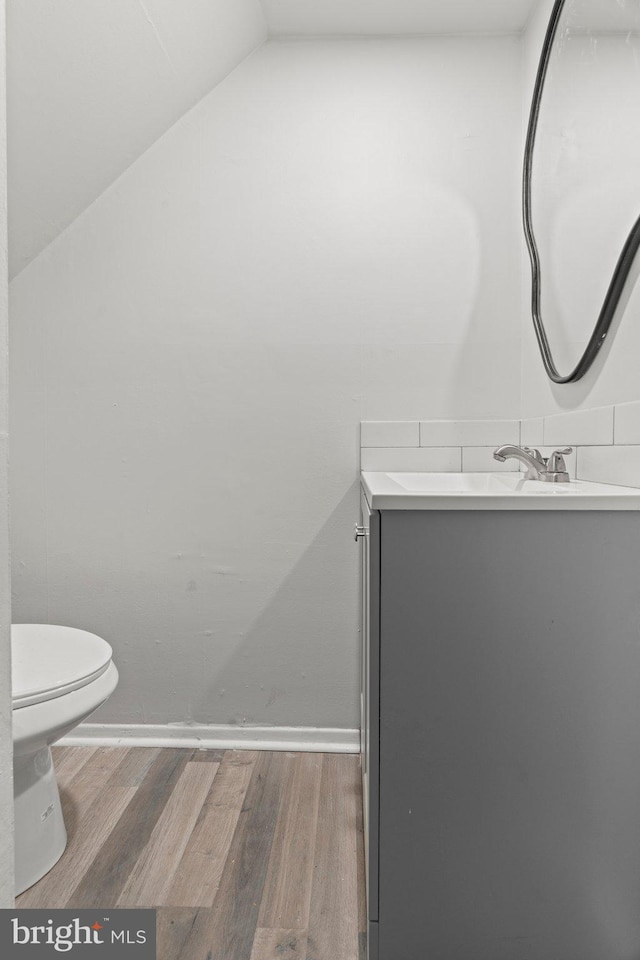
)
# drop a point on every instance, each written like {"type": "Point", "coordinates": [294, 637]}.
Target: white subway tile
{"type": "Point", "coordinates": [579, 427]}
{"type": "Point", "coordinates": [627, 423]}
{"type": "Point", "coordinates": [619, 464]}
{"type": "Point", "coordinates": [531, 432]}
{"type": "Point", "coordinates": [480, 460]}
{"type": "Point", "coordinates": [389, 433]}
{"type": "Point", "coordinates": [468, 433]}
{"type": "Point", "coordinates": [423, 459]}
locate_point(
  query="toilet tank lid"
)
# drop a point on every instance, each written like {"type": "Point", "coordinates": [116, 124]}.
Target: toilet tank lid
{"type": "Point", "coordinates": [50, 660]}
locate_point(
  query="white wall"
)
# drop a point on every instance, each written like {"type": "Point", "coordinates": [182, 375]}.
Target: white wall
{"type": "Point", "coordinates": [331, 235]}
{"type": "Point", "coordinates": [6, 744]}
{"type": "Point", "coordinates": [578, 245]}
{"type": "Point", "coordinates": [93, 84]}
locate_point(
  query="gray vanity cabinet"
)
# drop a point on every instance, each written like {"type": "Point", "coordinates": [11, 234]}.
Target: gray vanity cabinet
{"type": "Point", "coordinates": [501, 734]}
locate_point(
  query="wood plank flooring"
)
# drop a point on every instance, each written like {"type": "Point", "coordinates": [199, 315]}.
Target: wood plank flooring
{"type": "Point", "coordinates": [246, 855]}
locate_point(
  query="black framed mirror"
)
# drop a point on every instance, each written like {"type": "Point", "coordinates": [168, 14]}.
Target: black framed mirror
{"type": "Point", "coordinates": [581, 179]}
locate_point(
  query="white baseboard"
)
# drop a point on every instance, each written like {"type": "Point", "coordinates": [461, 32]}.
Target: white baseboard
{"type": "Point", "coordinates": [214, 737]}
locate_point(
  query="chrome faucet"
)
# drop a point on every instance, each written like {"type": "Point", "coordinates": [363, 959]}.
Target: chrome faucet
{"type": "Point", "coordinates": [551, 469]}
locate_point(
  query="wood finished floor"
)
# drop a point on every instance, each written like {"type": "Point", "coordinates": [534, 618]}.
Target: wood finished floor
{"type": "Point", "coordinates": [246, 855]}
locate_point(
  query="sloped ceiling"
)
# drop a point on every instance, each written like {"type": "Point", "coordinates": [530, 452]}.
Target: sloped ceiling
{"type": "Point", "coordinates": [92, 84]}
{"type": "Point", "coordinates": [396, 17]}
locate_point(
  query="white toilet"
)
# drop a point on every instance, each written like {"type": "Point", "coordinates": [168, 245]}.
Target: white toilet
{"type": "Point", "coordinates": [60, 675]}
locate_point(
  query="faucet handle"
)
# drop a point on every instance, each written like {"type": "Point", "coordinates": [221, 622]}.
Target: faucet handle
{"type": "Point", "coordinates": [556, 462]}
{"type": "Point", "coordinates": [534, 452]}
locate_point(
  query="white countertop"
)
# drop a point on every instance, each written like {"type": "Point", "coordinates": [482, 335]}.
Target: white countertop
{"type": "Point", "coordinates": [491, 491]}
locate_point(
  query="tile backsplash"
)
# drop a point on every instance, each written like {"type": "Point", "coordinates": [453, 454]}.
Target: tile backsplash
{"type": "Point", "coordinates": [579, 427]}
{"type": "Point", "coordinates": [605, 441]}
{"type": "Point", "coordinates": [468, 433]}
{"type": "Point", "coordinates": [412, 459]}
{"type": "Point", "coordinates": [436, 446]}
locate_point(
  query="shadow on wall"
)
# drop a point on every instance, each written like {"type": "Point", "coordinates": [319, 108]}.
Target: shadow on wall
{"type": "Point", "coordinates": [486, 369]}
{"type": "Point", "coordinates": [276, 662]}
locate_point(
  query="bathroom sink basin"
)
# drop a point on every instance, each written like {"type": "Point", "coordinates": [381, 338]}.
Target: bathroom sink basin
{"type": "Point", "coordinates": [491, 491]}
{"type": "Point", "coordinates": [480, 483]}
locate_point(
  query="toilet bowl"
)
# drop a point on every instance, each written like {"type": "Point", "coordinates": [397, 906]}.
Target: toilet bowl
{"type": "Point", "coordinates": [60, 675]}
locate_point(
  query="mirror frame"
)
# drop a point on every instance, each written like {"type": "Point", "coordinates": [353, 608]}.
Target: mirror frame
{"type": "Point", "coordinates": [625, 260]}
